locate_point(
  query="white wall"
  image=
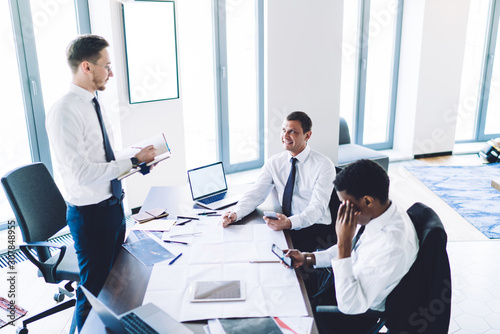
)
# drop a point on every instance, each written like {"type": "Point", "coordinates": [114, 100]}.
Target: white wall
{"type": "Point", "coordinates": [138, 122]}
{"type": "Point", "coordinates": [303, 62]}
{"type": "Point", "coordinates": [433, 43]}
{"type": "Point", "coordinates": [302, 67]}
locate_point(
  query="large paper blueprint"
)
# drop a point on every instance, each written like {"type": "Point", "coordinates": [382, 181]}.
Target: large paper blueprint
{"type": "Point", "coordinates": [224, 254]}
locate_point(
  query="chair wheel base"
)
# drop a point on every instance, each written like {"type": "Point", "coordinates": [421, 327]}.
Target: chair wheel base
{"type": "Point", "coordinates": [59, 297]}
{"type": "Point", "coordinates": [22, 330]}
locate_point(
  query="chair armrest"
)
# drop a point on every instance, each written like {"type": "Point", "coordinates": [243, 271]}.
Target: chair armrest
{"type": "Point", "coordinates": [334, 309]}
{"type": "Point", "coordinates": [48, 270]}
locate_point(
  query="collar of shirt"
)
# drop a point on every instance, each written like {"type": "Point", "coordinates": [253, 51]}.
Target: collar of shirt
{"type": "Point", "coordinates": [378, 223]}
{"type": "Point", "coordinates": [302, 156]}
{"type": "Point", "coordinates": [82, 93]}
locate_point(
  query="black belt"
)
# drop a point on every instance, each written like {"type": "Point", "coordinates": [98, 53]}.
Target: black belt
{"type": "Point", "coordinates": [103, 204]}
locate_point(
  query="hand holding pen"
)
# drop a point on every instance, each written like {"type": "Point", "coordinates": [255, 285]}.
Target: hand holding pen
{"type": "Point", "coordinates": [228, 218]}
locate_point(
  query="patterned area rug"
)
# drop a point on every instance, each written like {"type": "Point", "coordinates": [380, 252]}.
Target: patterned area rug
{"type": "Point", "coordinates": [467, 189]}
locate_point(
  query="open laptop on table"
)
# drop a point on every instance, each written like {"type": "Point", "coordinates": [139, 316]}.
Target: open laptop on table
{"type": "Point", "coordinates": [144, 319]}
{"type": "Point", "coordinates": [209, 187]}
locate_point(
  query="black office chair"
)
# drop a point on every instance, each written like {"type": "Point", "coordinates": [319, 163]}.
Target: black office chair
{"type": "Point", "coordinates": [421, 302]}
{"type": "Point", "coordinates": [40, 211]}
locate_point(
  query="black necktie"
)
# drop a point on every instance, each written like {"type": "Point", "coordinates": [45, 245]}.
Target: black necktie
{"type": "Point", "coordinates": [116, 186]}
{"type": "Point", "coordinates": [287, 194]}
{"type": "Point", "coordinates": [357, 236]}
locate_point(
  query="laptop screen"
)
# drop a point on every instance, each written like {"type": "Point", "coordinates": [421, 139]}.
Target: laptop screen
{"type": "Point", "coordinates": [207, 180]}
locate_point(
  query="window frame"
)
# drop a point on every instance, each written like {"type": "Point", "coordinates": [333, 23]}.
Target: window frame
{"type": "Point", "coordinates": [488, 61]}
{"type": "Point", "coordinates": [359, 114]}
{"type": "Point", "coordinates": [222, 108]}
{"type": "Point", "coordinates": [25, 43]}
{"type": "Point", "coordinates": [27, 61]}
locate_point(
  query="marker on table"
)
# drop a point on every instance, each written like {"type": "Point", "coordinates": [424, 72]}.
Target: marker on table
{"type": "Point", "coordinates": [175, 259]}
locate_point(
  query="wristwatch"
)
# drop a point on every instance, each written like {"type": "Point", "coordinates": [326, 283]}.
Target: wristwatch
{"type": "Point", "coordinates": [135, 162]}
{"type": "Point", "coordinates": [309, 259]}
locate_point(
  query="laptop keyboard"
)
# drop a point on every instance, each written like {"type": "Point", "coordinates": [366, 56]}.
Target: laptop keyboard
{"type": "Point", "coordinates": [213, 198]}
{"type": "Point", "coordinates": [135, 325]}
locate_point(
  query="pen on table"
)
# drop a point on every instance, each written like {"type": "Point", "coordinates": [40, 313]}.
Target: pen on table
{"type": "Point", "coordinates": [185, 234]}
{"type": "Point", "coordinates": [264, 261]}
{"type": "Point", "coordinates": [139, 148]}
{"type": "Point", "coordinates": [204, 213]}
{"type": "Point", "coordinates": [175, 259]}
{"type": "Point", "coordinates": [176, 242]}
{"type": "Point", "coordinates": [187, 217]}
{"type": "Point", "coordinates": [182, 223]}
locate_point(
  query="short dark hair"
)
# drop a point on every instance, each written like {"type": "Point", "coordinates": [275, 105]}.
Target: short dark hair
{"type": "Point", "coordinates": [84, 47]}
{"type": "Point", "coordinates": [303, 118]}
{"type": "Point", "coordinates": [362, 178]}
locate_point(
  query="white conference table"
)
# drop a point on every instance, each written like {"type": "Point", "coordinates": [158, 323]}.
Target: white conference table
{"type": "Point", "coordinates": [127, 284]}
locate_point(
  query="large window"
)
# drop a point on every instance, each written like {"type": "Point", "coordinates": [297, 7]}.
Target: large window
{"type": "Point", "coordinates": [36, 72]}
{"type": "Point", "coordinates": [222, 85]}
{"type": "Point", "coordinates": [479, 106]}
{"type": "Point", "coordinates": [15, 148]}
{"type": "Point", "coordinates": [197, 66]}
{"type": "Point", "coordinates": [240, 83]}
{"type": "Point", "coordinates": [370, 63]}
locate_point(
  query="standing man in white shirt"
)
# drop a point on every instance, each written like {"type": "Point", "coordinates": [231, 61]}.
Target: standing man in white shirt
{"type": "Point", "coordinates": [368, 266]}
{"type": "Point", "coordinates": [303, 179]}
{"type": "Point", "coordinates": [84, 159]}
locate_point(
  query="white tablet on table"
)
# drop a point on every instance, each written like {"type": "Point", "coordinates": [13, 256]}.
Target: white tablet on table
{"type": "Point", "coordinates": [217, 291]}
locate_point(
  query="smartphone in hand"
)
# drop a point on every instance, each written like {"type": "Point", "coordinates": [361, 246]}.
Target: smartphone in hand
{"type": "Point", "coordinates": [271, 215]}
{"type": "Point", "coordinates": [279, 253]}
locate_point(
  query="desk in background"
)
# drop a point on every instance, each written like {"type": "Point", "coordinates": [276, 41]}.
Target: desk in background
{"type": "Point", "coordinates": [495, 184]}
{"type": "Point", "coordinates": [126, 285]}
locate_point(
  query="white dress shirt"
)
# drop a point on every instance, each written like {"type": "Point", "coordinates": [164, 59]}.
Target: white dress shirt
{"type": "Point", "coordinates": [384, 253]}
{"type": "Point", "coordinates": [78, 151]}
{"type": "Point", "coordinates": [311, 194]}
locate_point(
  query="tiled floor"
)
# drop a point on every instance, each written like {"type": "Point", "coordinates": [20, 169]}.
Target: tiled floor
{"type": "Point", "coordinates": [475, 272]}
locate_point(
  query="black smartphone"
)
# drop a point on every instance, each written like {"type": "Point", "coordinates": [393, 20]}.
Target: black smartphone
{"type": "Point", "coordinates": [271, 215]}
{"type": "Point", "coordinates": [279, 253]}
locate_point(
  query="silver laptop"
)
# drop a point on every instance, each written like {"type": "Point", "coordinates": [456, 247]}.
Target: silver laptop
{"type": "Point", "coordinates": [209, 187]}
{"type": "Point", "coordinates": [142, 320]}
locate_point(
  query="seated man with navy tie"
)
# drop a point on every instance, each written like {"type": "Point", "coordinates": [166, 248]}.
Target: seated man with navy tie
{"type": "Point", "coordinates": [303, 179]}
{"type": "Point", "coordinates": [84, 160]}
{"type": "Point", "coordinates": [367, 264]}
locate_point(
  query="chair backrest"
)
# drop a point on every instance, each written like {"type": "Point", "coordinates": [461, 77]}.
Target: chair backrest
{"type": "Point", "coordinates": [421, 303]}
{"type": "Point", "coordinates": [344, 137]}
{"type": "Point", "coordinates": [37, 203]}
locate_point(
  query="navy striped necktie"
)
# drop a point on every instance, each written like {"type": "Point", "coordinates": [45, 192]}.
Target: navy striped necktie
{"type": "Point", "coordinates": [287, 193]}
{"type": "Point", "coordinates": [116, 186]}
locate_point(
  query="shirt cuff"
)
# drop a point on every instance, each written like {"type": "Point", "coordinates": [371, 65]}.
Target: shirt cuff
{"type": "Point", "coordinates": [323, 259]}
{"type": "Point", "coordinates": [342, 267]}
{"type": "Point", "coordinates": [124, 166]}
{"type": "Point", "coordinates": [296, 222]}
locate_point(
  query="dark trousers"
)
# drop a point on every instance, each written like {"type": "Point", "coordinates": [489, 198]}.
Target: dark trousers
{"type": "Point", "coordinates": [314, 237]}
{"type": "Point", "coordinates": [321, 291]}
{"type": "Point", "coordinates": [98, 231]}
